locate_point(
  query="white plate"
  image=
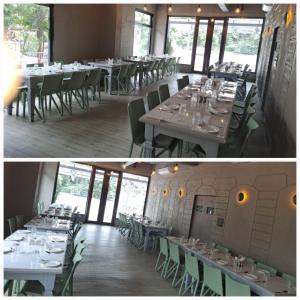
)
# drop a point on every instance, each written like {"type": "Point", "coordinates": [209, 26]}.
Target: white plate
{"type": "Point", "coordinates": [7, 250]}
{"type": "Point", "coordinates": [55, 250]}
{"type": "Point", "coordinates": [63, 221]}
{"type": "Point", "coordinates": [222, 262]}
{"type": "Point", "coordinates": [208, 128]}
{"type": "Point", "coordinates": [52, 264]}
{"type": "Point", "coordinates": [16, 238]}
{"type": "Point", "coordinates": [25, 231]}
{"type": "Point", "coordinates": [57, 239]}
{"type": "Point", "coordinates": [217, 111]}
{"type": "Point", "coordinates": [250, 276]}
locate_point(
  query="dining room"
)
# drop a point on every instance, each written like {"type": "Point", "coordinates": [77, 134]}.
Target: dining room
{"type": "Point", "coordinates": [149, 229]}
{"type": "Point", "coordinates": [149, 80]}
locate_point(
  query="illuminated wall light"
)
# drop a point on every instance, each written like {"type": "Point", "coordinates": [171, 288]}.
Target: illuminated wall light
{"type": "Point", "coordinates": [170, 8]}
{"type": "Point", "coordinates": [123, 166]}
{"type": "Point", "coordinates": [242, 197]}
{"type": "Point", "coordinates": [145, 7]}
{"type": "Point", "coordinates": [176, 168]}
{"type": "Point", "coordinates": [294, 200]}
{"type": "Point", "coordinates": [153, 172]}
{"type": "Point", "coordinates": [237, 10]}
{"type": "Point", "coordinates": [165, 192]}
{"type": "Point", "coordinates": [181, 193]}
{"type": "Point", "coordinates": [199, 9]}
{"type": "Point", "coordinates": [212, 20]}
{"type": "Point", "coordinates": [288, 17]}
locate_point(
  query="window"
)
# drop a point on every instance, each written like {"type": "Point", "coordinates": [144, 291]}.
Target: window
{"type": "Point", "coordinates": [133, 194]}
{"type": "Point", "coordinates": [180, 38]}
{"type": "Point", "coordinates": [72, 185]}
{"type": "Point", "coordinates": [242, 41]}
{"type": "Point", "coordinates": [26, 30]}
{"type": "Point", "coordinates": [142, 33]}
{"type": "Point", "coordinates": [201, 41]}
{"type": "Point", "coordinates": [216, 41]}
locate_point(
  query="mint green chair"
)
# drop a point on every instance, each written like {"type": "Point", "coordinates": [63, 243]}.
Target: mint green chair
{"type": "Point", "coordinates": [92, 82]}
{"type": "Point", "coordinates": [212, 281]}
{"type": "Point", "coordinates": [235, 288]}
{"type": "Point", "coordinates": [186, 80]}
{"type": "Point", "coordinates": [164, 92]}
{"type": "Point", "coordinates": [173, 263]}
{"type": "Point", "coordinates": [222, 248]}
{"type": "Point", "coordinates": [191, 278]}
{"type": "Point", "coordinates": [63, 284]}
{"type": "Point", "coordinates": [289, 278]}
{"type": "Point", "coordinates": [147, 72]}
{"type": "Point", "coordinates": [8, 287]}
{"type": "Point", "coordinates": [265, 267]}
{"type": "Point", "coordinates": [249, 260]}
{"type": "Point", "coordinates": [164, 254]}
{"type": "Point", "coordinates": [19, 221]}
{"type": "Point", "coordinates": [136, 110]}
{"type": "Point", "coordinates": [152, 100]}
{"type": "Point", "coordinates": [73, 86]}
{"type": "Point", "coordinates": [180, 84]}
{"type": "Point", "coordinates": [12, 225]}
{"type": "Point", "coordinates": [132, 74]}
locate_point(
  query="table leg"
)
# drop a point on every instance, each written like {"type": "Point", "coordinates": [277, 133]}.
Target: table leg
{"type": "Point", "coordinates": [141, 76]}
{"type": "Point", "coordinates": [149, 150]}
{"type": "Point", "coordinates": [48, 282]}
{"type": "Point", "coordinates": [109, 82]}
{"type": "Point", "coordinates": [146, 240]}
{"type": "Point", "coordinates": [30, 98]}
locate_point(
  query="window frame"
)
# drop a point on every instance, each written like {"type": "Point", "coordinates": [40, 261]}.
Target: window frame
{"type": "Point", "coordinates": [208, 43]}
{"type": "Point", "coordinates": [145, 25]}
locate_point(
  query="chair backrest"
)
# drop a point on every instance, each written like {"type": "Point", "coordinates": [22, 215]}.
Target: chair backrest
{"type": "Point", "coordinates": [76, 81]}
{"type": "Point", "coordinates": [178, 60]}
{"type": "Point", "coordinates": [186, 80]}
{"type": "Point", "coordinates": [152, 99]}
{"type": "Point", "coordinates": [136, 109]}
{"type": "Point", "coordinates": [191, 265]}
{"type": "Point", "coordinates": [40, 207]}
{"type": "Point", "coordinates": [52, 84]}
{"type": "Point", "coordinates": [32, 65]}
{"type": "Point", "coordinates": [164, 92]}
{"type": "Point", "coordinates": [79, 248]}
{"type": "Point", "coordinates": [123, 71]}
{"type": "Point", "coordinates": [180, 84]}
{"type": "Point", "coordinates": [265, 267]}
{"type": "Point", "coordinates": [132, 69]}
{"type": "Point", "coordinates": [93, 78]}
{"type": "Point", "coordinates": [76, 260]}
{"type": "Point", "coordinates": [213, 279]}
{"type": "Point", "coordinates": [19, 221]}
{"type": "Point", "coordinates": [209, 69]}
{"type": "Point", "coordinates": [161, 63]}
{"type": "Point", "coordinates": [12, 225]}
{"type": "Point", "coordinates": [249, 260]}
{"type": "Point", "coordinates": [245, 70]}
{"type": "Point", "coordinates": [163, 245]}
{"type": "Point", "coordinates": [222, 248]}
{"type": "Point", "coordinates": [289, 278]}
{"type": "Point", "coordinates": [234, 288]}
{"type": "Point", "coordinates": [174, 252]}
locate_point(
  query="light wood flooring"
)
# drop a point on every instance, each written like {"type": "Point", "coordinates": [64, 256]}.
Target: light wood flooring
{"type": "Point", "coordinates": [101, 132]}
{"type": "Point", "coordinates": [111, 266]}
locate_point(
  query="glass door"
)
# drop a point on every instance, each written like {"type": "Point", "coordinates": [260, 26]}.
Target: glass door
{"type": "Point", "coordinates": [216, 42]}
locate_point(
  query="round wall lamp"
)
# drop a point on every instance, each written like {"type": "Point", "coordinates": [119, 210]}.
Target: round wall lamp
{"type": "Point", "coordinates": [181, 193]}
{"type": "Point", "coordinates": [294, 200]}
{"type": "Point", "coordinates": [242, 197]}
{"type": "Point", "coordinates": [165, 192]}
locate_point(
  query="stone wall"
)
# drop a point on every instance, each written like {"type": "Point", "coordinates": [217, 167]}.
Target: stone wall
{"type": "Point", "coordinates": [263, 228]}
{"type": "Point", "coordinates": [280, 96]}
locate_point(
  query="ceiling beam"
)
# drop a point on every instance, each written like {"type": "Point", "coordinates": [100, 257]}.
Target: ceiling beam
{"type": "Point", "coordinates": [223, 7]}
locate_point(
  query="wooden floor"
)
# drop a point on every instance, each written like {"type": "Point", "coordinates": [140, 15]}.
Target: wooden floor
{"type": "Point", "coordinates": [103, 131]}
{"type": "Point", "coordinates": [113, 267]}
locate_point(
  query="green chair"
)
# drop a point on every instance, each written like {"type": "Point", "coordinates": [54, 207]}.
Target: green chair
{"type": "Point", "coordinates": [19, 221]}
{"type": "Point", "coordinates": [136, 110]}
{"type": "Point", "coordinates": [164, 92]}
{"type": "Point", "coordinates": [132, 73]}
{"type": "Point", "coordinates": [8, 287]}
{"type": "Point", "coordinates": [191, 275]}
{"type": "Point", "coordinates": [40, 207]}
{"type": "Point", "coordinates": [235, 288]}
{"type": "Point", "coordinates": [51, 85]}
{"type": "Point", "coordinates": [236, 124]}
{"type": "Point", "coordinates": [12, 225]}
{"type": "Point", "coordinates": [173, 263]}
{"type": "Point", "coordinates": [152, 100]}
{"type": "Point", "coordinates": [186, 80]}
{"type": "Point", "coordinates": [164, 254]}
{"type": "Point", "coordinates": [161, 68]}
{"type": "Point", "coordinates": [73, 86]}
{"type": "Point", "coordinates": [265, 267]}
{"type": "Point", "coordinates": [147, 72]}
{"type": "Point", "coordinates": [180, 84]}
{"type": "Point", "coordinates": [119, 79]}
{"type": "Point", "coordinates": [153, 70]}
{"type": "Point", "coordinates": [222, 248]}
{"type": "Point", "coordinates": [289, 278]}
{"type": "Point", "coordinates": [209, 69]}
{"type": "Point", "coordinates": [212, 281]}
{"type": "Point", "coordinates": [92, 81]}
{"type": "Point", "coordinates": [249, 260]}
{"type": "Point", "coordinates": [63, 284]}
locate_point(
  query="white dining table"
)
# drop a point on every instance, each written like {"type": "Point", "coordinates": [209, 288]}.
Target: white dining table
{"type": "Point", "coordinates": [29, 257]}
{"type": "Point", "coordinates": [274, 286]}
{"type": "Point", "coordinates": [40, 223]}
{"type": "Point", "coordinates": [167, 119]}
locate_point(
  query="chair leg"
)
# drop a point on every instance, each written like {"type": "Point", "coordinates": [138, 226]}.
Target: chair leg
{"type": "Point", "coordinates": [131, 148]}
{"type": "Point", "coordinates": [41, 101]}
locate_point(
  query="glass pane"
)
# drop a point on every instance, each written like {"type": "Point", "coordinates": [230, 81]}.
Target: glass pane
{"type": "Point", "coordinates": [216, 42]}
{"type": "Point", "coordinates": [111, 197]}
{"type": "Point", "coordinates": [26, 29]}
{"type": "Point", "coordinates": [180, 38]}
{"type": "Point", "coordinates": [201, 45]}
{"type": "Point", "coordinates": [133, 194]}
{"type": "Point", "coordinates": [142, 18]}
{"type": "Point", "coordinates": [96, 195]}
{"type": "Point", "coordinates": [141, 44]}
{"type": "Point", "coordinates": [242, 41]}
{"type": "Point", "coordinates": [72, 185]}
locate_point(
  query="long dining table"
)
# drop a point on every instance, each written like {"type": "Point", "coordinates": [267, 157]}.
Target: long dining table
{"type": "Point", "coordinates": [32, 76]}
{"type": "Point", "coordinates": [45, 224]}
{"type": "Point", "coordinates": [35, 256]}
{"type": "Point", "coordinates": [170, 119]}
{"type": "Point", "coordinates": [228, 71]}
{"type": "Point", "coordinates": [255, 279]}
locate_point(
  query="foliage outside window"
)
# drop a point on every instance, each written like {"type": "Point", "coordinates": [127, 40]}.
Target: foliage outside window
{"type": "Point", "coordinates": [142, 34]}
{"type": "Point", "coordinates": [180, 38]}
{"type": "Point", "coordinates": [242, 41]}
{"type": "Point", "coordinates": [200, 51]}
{"type": "Point", "coordinates": [216, 41]}
{"type": "Point", "coordinates": [26, 28]}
